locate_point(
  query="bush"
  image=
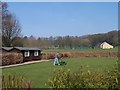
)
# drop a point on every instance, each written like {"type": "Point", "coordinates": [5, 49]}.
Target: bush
{"type": "Point", "coordinates": [83, 79]}
{"type": "Point", "coordinates": [51, 56]}
{"type": "Point", "coordinates": [48, 55]}
{"type": "Point", "coordinates": [12, 81]}
{"type": "Point", "coordinates": [11, 58]}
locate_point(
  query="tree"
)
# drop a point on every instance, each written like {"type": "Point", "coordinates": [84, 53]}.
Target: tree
{"type": "Point", "coordinates": [18, 41]}
{"type": "Point", "coordinates": [10, 26]}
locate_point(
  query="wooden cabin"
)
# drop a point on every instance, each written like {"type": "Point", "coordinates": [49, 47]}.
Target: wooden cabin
{"type": "Point", "coordinates": [29, 54]}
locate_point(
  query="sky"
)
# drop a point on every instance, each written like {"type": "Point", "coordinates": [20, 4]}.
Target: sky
{"type": "Point", "coordinates": [44, 19]}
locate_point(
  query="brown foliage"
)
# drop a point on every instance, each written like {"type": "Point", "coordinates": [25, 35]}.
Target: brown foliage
{"type": "Point", "coordinates": [11, 58]}
{"type": "Point", "coordinates": [95, 54]}
{"type": "Point", "coordinates": [50, 55]}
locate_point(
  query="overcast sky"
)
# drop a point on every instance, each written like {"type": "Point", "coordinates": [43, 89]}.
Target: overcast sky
{"type": "Point", "coordinates": [60, 19]}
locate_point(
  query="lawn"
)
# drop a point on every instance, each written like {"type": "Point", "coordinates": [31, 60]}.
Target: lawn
{"type": "Point", "coordinates": [82, 49]}
{"type": "Point", "coordinates": [39, 73]}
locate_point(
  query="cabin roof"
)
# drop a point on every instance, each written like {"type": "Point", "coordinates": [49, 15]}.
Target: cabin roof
{"type": "Point", "coordinates": [26, 48]}
{"type": "Point", "coordinates": [20, 48]}
{"type": "Point", "coordinates": [7, 48]}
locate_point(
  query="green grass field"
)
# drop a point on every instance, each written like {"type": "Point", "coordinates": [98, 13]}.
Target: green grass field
{"type": "Point", "coordinates": [39, 73]}
{"type": "Point", "coordinates": [82, 49]}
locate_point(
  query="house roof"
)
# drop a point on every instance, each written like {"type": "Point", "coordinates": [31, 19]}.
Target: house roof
{"type": "Point", "coordinates": [20, 48]}
{"type": "Point", "coordinates": [7, 48]}
{"type": "Point", "coordinates": [26, 48]}
{"type": "Point", "coordinates": [105, 43]}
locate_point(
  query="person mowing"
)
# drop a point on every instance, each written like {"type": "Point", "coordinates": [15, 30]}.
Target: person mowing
{"type": "Point", "coordinates": [56, 62]}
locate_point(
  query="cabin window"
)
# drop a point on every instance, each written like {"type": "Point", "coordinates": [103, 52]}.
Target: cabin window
{"type": "Point", "coordinates": [35, 53]}
{"type": "Point", "coordinates": [27, 53]}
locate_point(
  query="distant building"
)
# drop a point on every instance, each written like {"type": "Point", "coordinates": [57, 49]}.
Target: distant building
{"type": "Point", "coordinates": [105, 45]}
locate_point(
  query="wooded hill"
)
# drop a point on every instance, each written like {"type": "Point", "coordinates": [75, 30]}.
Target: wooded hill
{"type": "Point", "coordinates": [71, 42]}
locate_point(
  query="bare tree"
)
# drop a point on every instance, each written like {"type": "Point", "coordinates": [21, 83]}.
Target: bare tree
{"type": "Point", "coordinates": [10, 26]}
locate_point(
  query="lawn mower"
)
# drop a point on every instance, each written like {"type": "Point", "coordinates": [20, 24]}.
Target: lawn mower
{"type": "Point", "coordinates": [61, 62]}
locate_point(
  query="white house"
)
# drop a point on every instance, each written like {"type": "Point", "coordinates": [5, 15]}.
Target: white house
{"type": "Point", "coordinates": [105, 45]}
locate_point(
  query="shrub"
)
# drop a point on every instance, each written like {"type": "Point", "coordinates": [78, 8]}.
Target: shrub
{"type": "Point", "coordinates": [11, 58]}
{"type": "Point", "coordinates": [51, 56]}
{"type": "Point", "coordinates": [48, 55]}
{"type": "Point", "coordinates": [12, 81]}
{"type": "Point", "coordinates": [83, 79]}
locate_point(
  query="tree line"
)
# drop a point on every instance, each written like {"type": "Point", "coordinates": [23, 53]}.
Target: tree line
{"type": "Point", "coordinates": [71, 42]}
{"type": "Point", "coordinates": [11, 36]}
